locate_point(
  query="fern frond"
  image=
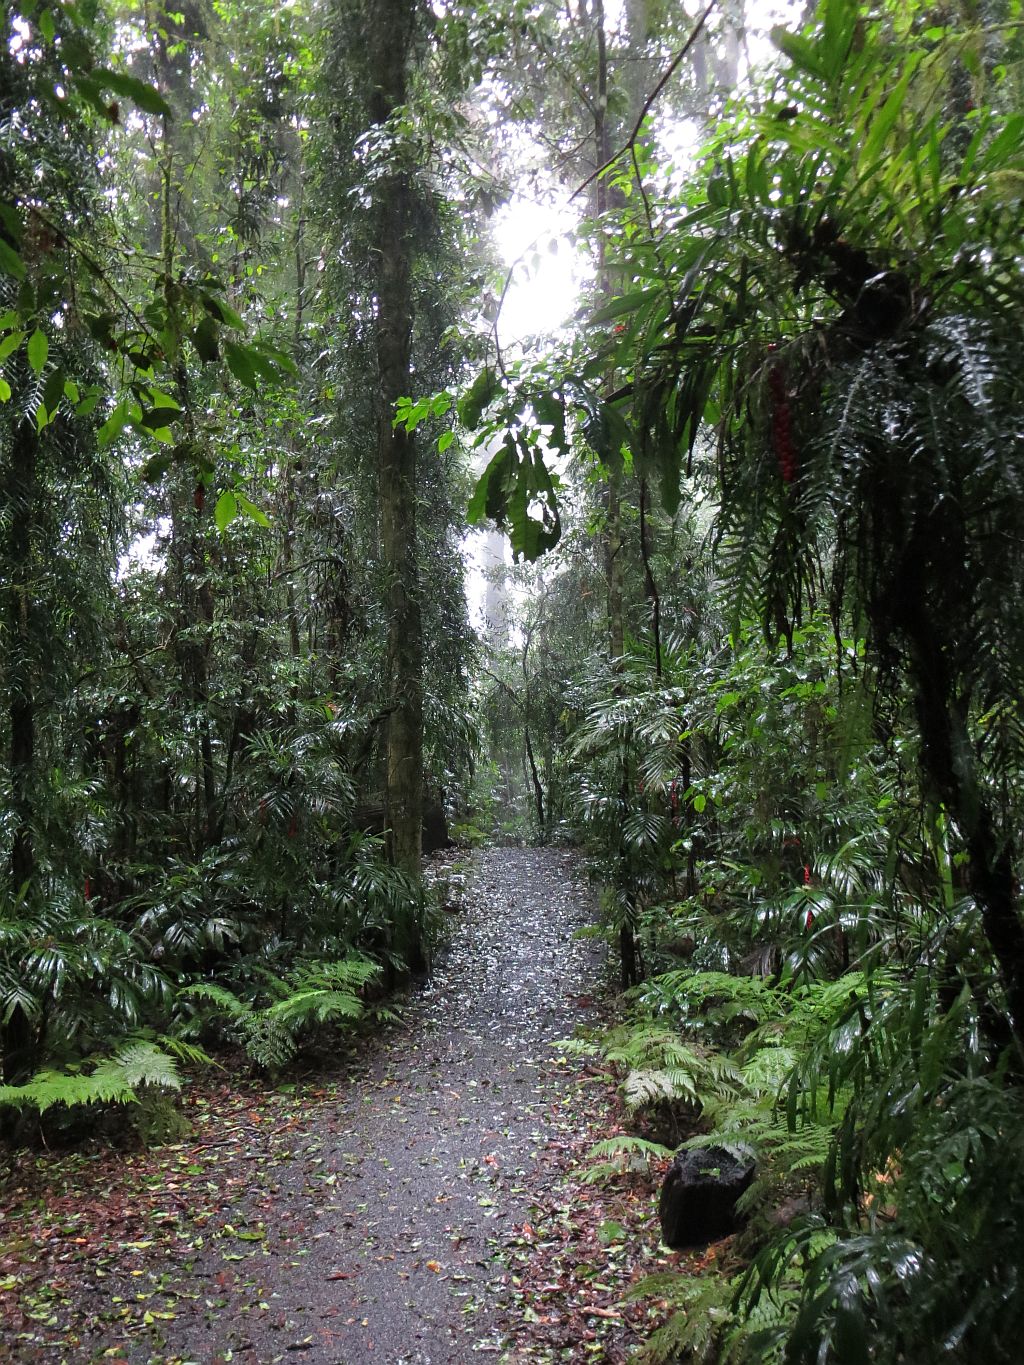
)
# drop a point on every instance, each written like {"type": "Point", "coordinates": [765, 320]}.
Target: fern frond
{"type": "Point", "coordinates": [767, 1070]}
{"type": "Point", "coordinates": [316, 1005]}
{"type": "Point", "coordinates": [642, 1088]}
{"type": "Point", "coordinates": [185, 1051]}
{"type": "Point", "coordinates": [629, 1154]}
{"type": "Point", "coordinates": [113, 1080]}
{"type": "Point", "coordinates": [627, 1143]}
{"type": "Point", "coordinates": [231, 1005]}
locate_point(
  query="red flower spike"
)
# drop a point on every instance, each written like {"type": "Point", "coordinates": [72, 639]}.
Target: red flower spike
{"type": "Point", "coordinates": [782, 424]}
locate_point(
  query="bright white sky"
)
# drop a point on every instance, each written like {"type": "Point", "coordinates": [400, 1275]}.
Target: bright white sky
{"type": "Point", "coordinates": [546, 283]}
{"type": "Point", "coordinates": [544, 293]}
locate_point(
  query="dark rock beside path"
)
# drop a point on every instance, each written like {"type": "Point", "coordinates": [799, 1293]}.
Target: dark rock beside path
{"type": "Point", "coordinates": [698, 1198]}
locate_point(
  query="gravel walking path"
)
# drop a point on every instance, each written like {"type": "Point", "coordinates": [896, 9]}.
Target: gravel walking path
{"type": "Point", "coordinates": [365, 1218]}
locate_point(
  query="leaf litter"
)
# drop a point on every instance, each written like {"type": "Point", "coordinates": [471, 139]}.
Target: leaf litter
{"type": "Point", "coordinates": [421, 1201]}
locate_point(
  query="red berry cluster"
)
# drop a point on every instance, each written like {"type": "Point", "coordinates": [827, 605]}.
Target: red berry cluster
{"type": "Point", "coordinates": [782, 425]}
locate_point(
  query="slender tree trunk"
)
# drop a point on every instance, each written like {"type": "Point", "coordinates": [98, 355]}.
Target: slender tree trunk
{"type": "Point", "coordinates": [18, 1042]}
{"type": "Point", "coordinates": [293, 460]}
{"type": "Point", "coordinates": [538, 790]}
{"type": "Point", "coordinates": [599, 205]}
{"type": "Point", "coordinates": [613, 537]}
{"type": "Point", "coordinates": [22, 699]}
{"type": "Point", "coordinates": [391, 34]}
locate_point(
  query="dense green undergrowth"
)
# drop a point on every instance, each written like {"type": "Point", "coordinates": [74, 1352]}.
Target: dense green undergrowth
{"type": "Point", "coordinates": [815, 985]}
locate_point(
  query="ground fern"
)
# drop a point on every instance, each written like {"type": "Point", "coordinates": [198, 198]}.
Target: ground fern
{"type": "Point", "coordinates": [116, 1079]}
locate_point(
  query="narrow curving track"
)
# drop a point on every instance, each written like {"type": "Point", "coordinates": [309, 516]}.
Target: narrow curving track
{"type": "Point", "coordinates": [364, 1218]}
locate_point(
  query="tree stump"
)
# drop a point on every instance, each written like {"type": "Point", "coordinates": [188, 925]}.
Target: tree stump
{"type": "Point", "coordinates": [698, 1198]}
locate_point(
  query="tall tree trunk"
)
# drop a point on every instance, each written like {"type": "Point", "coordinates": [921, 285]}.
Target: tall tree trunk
{"type": "Point", "coordinates": [391, 37]}
{"type": "Point", "coordinates": [193, 593]}
{"type": "Point", "coordinates": [599, 205]}
{"type": "Point", "coordinates": [613, 536]}
{"type": "Point", "coordinates": [18, 1043]}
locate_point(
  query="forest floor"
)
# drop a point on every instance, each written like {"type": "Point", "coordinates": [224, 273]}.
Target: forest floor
{"type": "Point", "coordinates": [422, 1200]}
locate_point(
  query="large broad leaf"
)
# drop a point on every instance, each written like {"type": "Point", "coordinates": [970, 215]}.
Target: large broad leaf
{"type": "Point", "coordinates": [10, 262]}
{"type": "Point", "coordinates": [482, 392]}
{"type": "Point", "coordinates": [226, 510]}
{"type": "Point", "coordinates": [517, 492]}
{"type": "Point", "coordinates": [550, 412]}
{"type": "Point", "coordinates": [38, 349]}
{"type": "Point", "coordinates": [493, 486]}
{"type": "Point", "coordinates": [10, 344]}
{"type": "Point", "coordinates": [147, 97]}
{"type": "Point", "coordinates": [606, 431]}
{"type": "Point", "coordinates": [242, 364]}
{"type": "Point", "coordinates": [53, 391]}
{"type": "Point", "coordinates": [204, 338]}
{"type": "Point", "coordinates": [222, 311]}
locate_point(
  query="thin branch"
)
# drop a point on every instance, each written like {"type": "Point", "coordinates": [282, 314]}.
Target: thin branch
{"type": "Point", "coordinates": [648, 104]}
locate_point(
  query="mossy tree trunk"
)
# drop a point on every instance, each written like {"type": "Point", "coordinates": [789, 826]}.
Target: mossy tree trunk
{"type": "Point", "coordinates": [391, 40]}
{"type": "Point", "coordinates": [18, 1041]}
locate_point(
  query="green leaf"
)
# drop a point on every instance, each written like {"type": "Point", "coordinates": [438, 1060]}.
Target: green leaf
{"type": "Point", "coordinates": [482, 392]}
{"type": "Point", "coordinates": [606, 433]}
{"type": "Point", "coordinates": [241, 364]}
{"type": "Point", "coordinates": [802, 52]}
{"type": "Point", "coordinates": [253, 512]}
{"type": "Point", "coordinates": [204, 339]}
{"type": "Point", "coordinates": [222, 311]}
{"type": "Point", "coordinates": [53, 391]}
{"type": "Point", "coordinates": [886, 117]}
{"type": "Point", "coordinates": [10, 262]}
{"type": "Point", "coordinates": [147, 97]}
{"type": "Point", "coordinates": [494, 485]}
{"type": "Point", "coordinates": [444, 441]}
{"type": "Point", "coordinates": [11, 344]}
{"type": "Point", "coordinates": [550, 412]}
{"type": "Point", "coordinates": [155, 419]}
{"type": "Point", "coordinates": [226, 510]}
{"type": "Point", "coordinates": [113, 426]}
{"type": "Point", "coordinates": [626, 303]}
{"type": "Point", "coordinates": [38, 350]}
{"type": "Point", "coordinates": [5, 391]}
{"type": "Point", "coordinates": [275, 357]}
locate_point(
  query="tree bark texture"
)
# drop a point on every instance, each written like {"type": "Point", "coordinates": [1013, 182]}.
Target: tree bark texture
{"type": "Point", "coordinates": [391, 38]}
{"type": "Point", "coordinates": [18, 1042]}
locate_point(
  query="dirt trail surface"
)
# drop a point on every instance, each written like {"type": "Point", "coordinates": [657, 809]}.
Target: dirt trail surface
{"type": "Point", "coordinates": [378, 1215]}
